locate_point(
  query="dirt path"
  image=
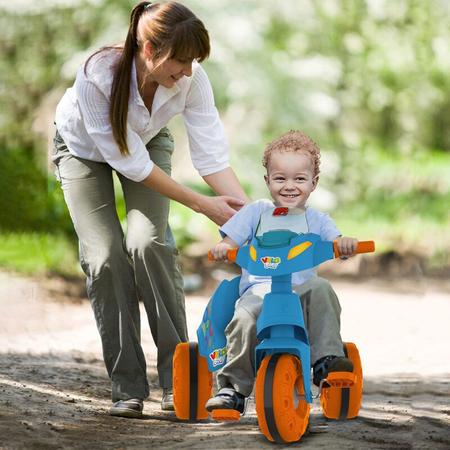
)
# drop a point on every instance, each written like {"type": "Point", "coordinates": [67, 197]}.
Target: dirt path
{"type": "Point", "coordinates": [54, 392]}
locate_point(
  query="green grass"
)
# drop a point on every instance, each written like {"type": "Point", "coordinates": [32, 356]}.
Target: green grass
{"type": "Point", "coordinates": [36, 253]}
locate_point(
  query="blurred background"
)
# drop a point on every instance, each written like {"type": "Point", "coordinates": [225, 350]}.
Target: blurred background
{"type": "Point", "coordinates": [366, 79]}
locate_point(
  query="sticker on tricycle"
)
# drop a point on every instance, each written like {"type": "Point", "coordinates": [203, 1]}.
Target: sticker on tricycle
{"type": "Point", "coordinates": [218, 356]}
{"type": "Point", "coordinates": [271, 262]}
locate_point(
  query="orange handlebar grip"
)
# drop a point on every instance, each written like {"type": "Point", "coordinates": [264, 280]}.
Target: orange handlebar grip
{"type": "Point", "coordinates": [231, 255]}
{"type": "Point", "coordinates": [363, 247]}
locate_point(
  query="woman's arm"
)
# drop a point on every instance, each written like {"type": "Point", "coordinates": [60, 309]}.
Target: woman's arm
{"type": "Point", "coordinates": [225, 182]}
{"type": "Point", "coordinates": [218, 209]}
{"type": "Point", "coordinates": [207, 141]}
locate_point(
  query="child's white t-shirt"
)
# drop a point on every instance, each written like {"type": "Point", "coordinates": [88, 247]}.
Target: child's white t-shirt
{"type": "Point", "coordinates": [243, 225]}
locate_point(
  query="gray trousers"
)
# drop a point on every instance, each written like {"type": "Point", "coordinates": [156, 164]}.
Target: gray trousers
{"type": "Point", "coordinates": [120, 270]}
{"type": "Point", "coordinates": [321, 311]}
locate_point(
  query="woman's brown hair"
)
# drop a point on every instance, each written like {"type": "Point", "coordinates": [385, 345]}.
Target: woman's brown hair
{"type": "Point", "coordinates": [173, 31]}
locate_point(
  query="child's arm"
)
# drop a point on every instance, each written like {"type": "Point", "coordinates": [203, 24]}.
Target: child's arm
{"type": "Point", "coordinates": [329, 232]}
{"type": "Point", "coordinates": [220, 250]}
{"type": "Point", "coordinates": [346, 246]}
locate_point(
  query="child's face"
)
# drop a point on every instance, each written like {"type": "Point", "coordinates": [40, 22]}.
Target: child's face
{"type": "Point", "coordinates": [290, 178]}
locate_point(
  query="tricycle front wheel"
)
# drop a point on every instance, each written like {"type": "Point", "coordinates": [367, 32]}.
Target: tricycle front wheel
{"type": "Point", "coordinates": [283, 412]}
{"type": "Point", "coordinates": [192, 382]}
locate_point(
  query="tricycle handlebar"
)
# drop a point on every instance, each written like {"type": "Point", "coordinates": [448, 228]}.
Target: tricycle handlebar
{"type": "Point", "coordinates": [363, 247]}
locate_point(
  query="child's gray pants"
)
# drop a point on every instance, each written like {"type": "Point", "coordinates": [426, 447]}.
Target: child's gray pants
{"type": "Point", "coordinates": [321, 311]}
{"type": "Point", "coordinates": [120, 270]}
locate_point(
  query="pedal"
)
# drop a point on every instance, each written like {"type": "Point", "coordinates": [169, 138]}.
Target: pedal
{"type": "Point", "coordinates": [340, 379]}
{"type": "Point", "coordinates": [226, 415]}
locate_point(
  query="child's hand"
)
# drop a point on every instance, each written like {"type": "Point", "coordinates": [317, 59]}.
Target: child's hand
{"type": "Point", "coordinates": [346, 246]}
{"type": "Point", "coordinates": [220, 251]}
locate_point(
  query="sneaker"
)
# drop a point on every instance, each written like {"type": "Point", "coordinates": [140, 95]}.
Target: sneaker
{"type": "Point", "coordinates": [328, 364]}
{"type": "Point", "coordinates": [226, 398]}
{"type": "Point", "coordinates": [127, 408]}
{"type": "Point", "coordinates": [167, 400]}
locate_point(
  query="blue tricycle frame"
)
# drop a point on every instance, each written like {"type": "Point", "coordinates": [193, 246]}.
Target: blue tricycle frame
{"type": "Point", "coordinates": [280, 327]}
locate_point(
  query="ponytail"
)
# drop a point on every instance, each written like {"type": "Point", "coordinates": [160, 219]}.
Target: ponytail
{"type": "Point", "coordinates": [120, 91]}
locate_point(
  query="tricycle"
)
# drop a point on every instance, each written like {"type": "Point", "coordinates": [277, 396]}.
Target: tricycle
{"type": "Point", "coordinates": [282, 358]}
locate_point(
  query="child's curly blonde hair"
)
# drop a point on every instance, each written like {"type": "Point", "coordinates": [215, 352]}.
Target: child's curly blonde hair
{"type": "Point", "coordinates": [294, 141]}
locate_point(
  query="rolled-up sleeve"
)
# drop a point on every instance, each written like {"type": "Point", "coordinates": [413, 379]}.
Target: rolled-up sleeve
{"type": "Point", "coordinates": [207, 142]}
{"type": "Point", "coordinates": [94, 108]}
{"type": "Point", "coordinates": [328, 230]}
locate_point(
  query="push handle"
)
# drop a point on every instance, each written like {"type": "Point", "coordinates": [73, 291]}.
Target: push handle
{"type": "Point", "coordinates": [363, 247]}
{"type": "Point", "coordinates": [231, 255]}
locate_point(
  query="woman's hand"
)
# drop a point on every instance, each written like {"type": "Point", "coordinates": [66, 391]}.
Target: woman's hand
{"type": "Point", "coordinates": [346, 246]}
{"type": "Point", "coordinates": [220, 209]}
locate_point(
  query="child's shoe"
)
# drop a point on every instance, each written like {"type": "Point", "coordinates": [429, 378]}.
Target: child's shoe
{"type": "Point", "coordinates": [226, 398]}
{"type": "Point", "coordinates": [328, 364]}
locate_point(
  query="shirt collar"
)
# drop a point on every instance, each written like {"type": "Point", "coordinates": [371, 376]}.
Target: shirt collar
{"type": "Point", "coordinates": [162, 94]}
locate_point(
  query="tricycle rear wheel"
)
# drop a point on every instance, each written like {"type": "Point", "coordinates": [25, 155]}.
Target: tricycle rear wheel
{"type": "Point", "coordinates": [283, 412]}
{"type": "Point", "coordinates": [344, 403]}
{"type": "Point", "coordinates": [192, 382]}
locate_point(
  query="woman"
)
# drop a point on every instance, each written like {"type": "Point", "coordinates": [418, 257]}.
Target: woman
{"type": "Point", "coordinates": [113, 119]}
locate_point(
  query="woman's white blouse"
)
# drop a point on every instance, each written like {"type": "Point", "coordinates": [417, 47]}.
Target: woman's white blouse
{"type": "Point", "coordinates": [82, 119]}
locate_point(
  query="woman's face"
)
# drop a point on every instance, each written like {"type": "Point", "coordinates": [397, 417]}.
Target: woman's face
{"type": "Point", "coordinates": [168, 72]}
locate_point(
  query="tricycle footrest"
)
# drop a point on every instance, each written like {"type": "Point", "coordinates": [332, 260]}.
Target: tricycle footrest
{"type": "Point", "coordinates": [340, 379]}
{"type": "Point", "coordinates": [226, 415]}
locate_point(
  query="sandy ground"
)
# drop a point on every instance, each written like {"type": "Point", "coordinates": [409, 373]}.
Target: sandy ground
{"type": "Point", "coordinates": [54, 391]}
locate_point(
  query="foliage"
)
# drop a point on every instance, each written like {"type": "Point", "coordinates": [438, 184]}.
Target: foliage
{"type": "Point", "coordinates": [29, 199]}
{"type": "Point", "coordinates": [368, 80]}
{"type": "Point", "coordinates": [34, 47]}
{"type": "Point", "coordinates": [23, 191]}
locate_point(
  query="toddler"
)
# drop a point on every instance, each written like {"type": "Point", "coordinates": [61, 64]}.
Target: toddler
{"type": "Point", "coordinates": [292, 162]}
